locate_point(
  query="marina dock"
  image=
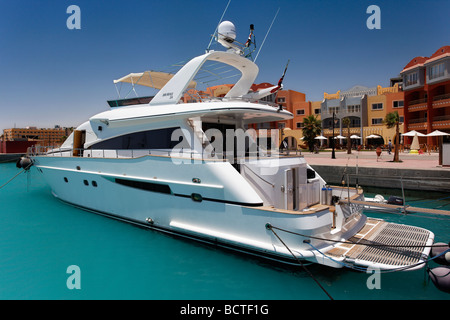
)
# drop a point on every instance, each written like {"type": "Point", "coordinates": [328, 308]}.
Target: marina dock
{"type": "Point", "coordinates": [10, 157]}
{"type": "Point", "coordinates": [414, 172]}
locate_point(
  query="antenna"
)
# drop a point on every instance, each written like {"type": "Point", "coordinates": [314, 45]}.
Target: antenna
{"type": "Point", "coordinates": [262, 44]}
{"type": "Point", "coordinates": [215, 32]}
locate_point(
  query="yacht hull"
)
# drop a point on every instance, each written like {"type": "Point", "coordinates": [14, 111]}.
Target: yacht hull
{"type": "Point", "coordinates": [209, 213]}
{"type": "Point", "coordinates": [215, 217]}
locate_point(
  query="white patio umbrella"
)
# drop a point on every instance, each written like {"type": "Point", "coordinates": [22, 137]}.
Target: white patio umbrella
{"type": "Point", "coordinates": [437, 133]}
{"type": "Point", "coordinates": [340, 137]}
{"type": "Point", "coordinates": [354, 136]}
{"type": "Point", "coordinates": [373, 136]}
{"type": "Point", "coordinates": [321, 138]}
{"type": "Point", "coordinates": [412, 133]}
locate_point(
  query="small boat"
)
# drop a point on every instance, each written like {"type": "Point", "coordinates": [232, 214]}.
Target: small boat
{"type": "Point", "coordinates": [199, 170]}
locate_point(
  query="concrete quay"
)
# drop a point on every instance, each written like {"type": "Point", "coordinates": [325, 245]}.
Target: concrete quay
{"type": "Point", "coordinates": [10, 157]}
{"type": "Point", "coordinates": [416, 172]}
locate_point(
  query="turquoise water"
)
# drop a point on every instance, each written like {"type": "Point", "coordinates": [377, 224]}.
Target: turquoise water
{"type": "Point", "coordinates": [40, 237]}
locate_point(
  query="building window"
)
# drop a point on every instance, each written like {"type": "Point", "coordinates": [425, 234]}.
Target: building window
{"type": "Point", "coordinates": [281, 100]}
{"type": "Point", "coordinates": [300, 112]}
{"type": "Point", "coordinates": [377, 106]}
{"type": "Point", "coordinates": [332, 110]}
{"type": "Point", "coordinates": [397, 104]}
{"type": "Point", "coordinates": [316, 111]}
{"type": "Point", "coordinates": [377, 121]}
{"type": "Point", "coordinates": [300, 125]}
{"type": "Point", "coordinates": [402, 119]}
{"type": "Point", "coordinates": [354, 108]}
{"type": "Point", "coordinates": [411, 79]}
{"type": "Point", "coordinates": [436, 71]}
{"type": "Point", "coordinates": [355, 122]}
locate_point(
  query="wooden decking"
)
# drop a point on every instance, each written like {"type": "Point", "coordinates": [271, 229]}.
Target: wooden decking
{"type": "Point", "coordinates": [352, 248]}
{"type": "Point", "coordinates": [385, 243]}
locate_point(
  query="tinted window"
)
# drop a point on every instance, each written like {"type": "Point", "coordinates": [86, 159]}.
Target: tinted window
{"type": "Point", "coordinates": [153, 139]}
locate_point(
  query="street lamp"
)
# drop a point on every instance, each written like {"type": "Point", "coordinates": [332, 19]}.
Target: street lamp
{"type": "Point", "coordinates": [333, 155]}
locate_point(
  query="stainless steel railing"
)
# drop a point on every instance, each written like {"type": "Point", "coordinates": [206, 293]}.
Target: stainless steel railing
{"type": "Point", "coordinates": [50, 151]}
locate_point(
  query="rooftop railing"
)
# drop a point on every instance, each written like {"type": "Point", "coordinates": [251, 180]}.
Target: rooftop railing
{"type": "Point", "coordinates": [172, 153]}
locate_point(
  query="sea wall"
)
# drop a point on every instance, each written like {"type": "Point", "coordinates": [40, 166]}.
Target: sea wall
{"type": "Point", "coordinates": [412, 179]}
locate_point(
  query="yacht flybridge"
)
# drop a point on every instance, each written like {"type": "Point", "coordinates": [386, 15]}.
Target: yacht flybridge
{"type": "Point", "coordinates": [197, 170]}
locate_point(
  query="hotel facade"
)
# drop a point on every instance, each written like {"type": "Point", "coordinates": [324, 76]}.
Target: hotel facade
{"type": "Point", "coordinates": [366, 108]}
{"type": "Point", "coordinates": [44, 137]}
{"type": "Point", "coordinates": [426, 85]}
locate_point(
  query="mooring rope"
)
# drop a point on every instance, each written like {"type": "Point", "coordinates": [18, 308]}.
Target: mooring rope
{"type": "Point", "coordinates": [269, 226]}
{"type": "Point", "coordinates": [24, 169]}
{"type": "Point", "coordinates": [12, 178]}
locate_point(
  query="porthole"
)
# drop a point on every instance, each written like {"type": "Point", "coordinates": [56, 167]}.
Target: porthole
{"type": "Point", "coordinates": [86, 183]}
{"type": "Point", "coordinates": [94, 183]}
{"type": "Point", "coordinates": [65, 179]}
{"type": "Point", "coordinates": [196, 197]}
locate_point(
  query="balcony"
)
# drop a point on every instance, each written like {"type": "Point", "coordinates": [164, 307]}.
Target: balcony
{"type": "Point", "coordinates": [441, 101]}
{"type": "Point", "coordinates": [441, 122]}
{"type": "Point", "coordinates": [417, 105]}
{"type": "Point", "coordinates": [417, 124]}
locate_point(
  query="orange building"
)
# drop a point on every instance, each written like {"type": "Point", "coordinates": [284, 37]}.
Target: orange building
{"type": "Point", "coordinates": [44, 137]}
{"type": "Point", "coordinates": [294, 102]}
{"type": "Point", "coordinates": [426, 84]}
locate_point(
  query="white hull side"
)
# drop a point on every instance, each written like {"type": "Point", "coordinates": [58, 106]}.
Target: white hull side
{"type": "Point", "coordinates": [227, 224]}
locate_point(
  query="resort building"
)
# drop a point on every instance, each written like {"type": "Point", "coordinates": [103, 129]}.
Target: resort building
{"type": "Point", "coordinates": [43, 137]}
{"type": "Point", "coordinates": [426, 85]}
{"type": "Point", "coordinates": [366, 109]}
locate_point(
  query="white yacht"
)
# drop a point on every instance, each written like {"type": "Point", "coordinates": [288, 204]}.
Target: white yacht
{"type": "Point", "coordinates": [182, 168]}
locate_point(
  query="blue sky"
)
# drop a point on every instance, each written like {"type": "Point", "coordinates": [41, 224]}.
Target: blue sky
{"type": "Point", "coordinates": [52, 75]}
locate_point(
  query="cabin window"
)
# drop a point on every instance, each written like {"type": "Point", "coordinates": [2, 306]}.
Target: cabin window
{"type": "Point", "coordinates": [148, 186]}
{"type": "Point", "coordinates": [152, 139]}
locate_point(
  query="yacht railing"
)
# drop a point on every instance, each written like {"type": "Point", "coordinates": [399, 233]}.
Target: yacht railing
{"type": "Point", "coordinates": [206, 98]}
{"type": "Point", "coordinates": [172, 153]}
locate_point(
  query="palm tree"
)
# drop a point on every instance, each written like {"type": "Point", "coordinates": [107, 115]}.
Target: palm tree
{"type": "Point", "coordinates": [391, 120]}
{"type": "Point", "coordinates": [346, 122]}
{"type": "Point", "coordinates": [311, 128]}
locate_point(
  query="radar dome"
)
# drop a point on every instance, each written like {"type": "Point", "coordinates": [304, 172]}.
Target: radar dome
{"type": "Point", "coordinates": [227, 31]}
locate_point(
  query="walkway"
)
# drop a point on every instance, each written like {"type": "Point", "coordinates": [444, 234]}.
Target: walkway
{"type": "Point", "coordinates": [369, 159]}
